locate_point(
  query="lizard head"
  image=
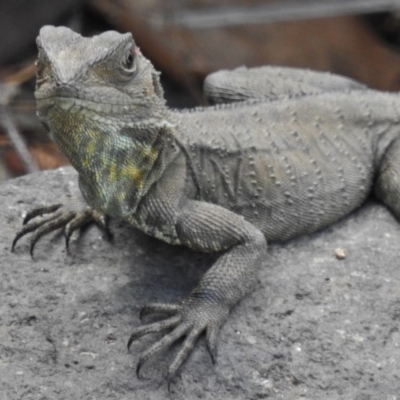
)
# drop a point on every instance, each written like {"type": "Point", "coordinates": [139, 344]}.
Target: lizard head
{"type": "Point", "coordinates": [102, 103]}
{"type": "Point", "coordinates": [104, 76]}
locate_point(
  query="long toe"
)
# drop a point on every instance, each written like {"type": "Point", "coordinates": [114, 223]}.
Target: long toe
{"type": "Point", "coordinates": [153, 328]}
{"type": "Point", "coordinates": [28, 228]}
{"type": "Point", "coordinates": [159, 308]}
{"type": "Point", "coordinates": [161, 345]}
{"type": "Point", "coordinates": [49, 226]}
{"type": "Point", "coordinates": [184, 351]}
{"type": "Point", "coordinates": [40, 211]}
{"type": "Point", "coordinates": [76, 223]}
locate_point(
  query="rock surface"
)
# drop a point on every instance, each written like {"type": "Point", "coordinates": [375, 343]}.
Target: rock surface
{"type": "Point", "coordinates": [315, 327]}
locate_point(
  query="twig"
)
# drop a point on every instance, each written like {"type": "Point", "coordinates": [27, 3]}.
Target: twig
{"type": "Point", "coordinates": [16, 140]}
{"type": "Point", "coordinates": [218, 17]}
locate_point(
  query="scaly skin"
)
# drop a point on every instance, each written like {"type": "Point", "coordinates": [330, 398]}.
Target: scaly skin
{"type": "Point", "coordinates": [270, 83]}
{"type": "Point", "coordinates": [218, 179]}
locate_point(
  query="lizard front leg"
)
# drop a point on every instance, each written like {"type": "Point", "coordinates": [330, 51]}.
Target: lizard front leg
{"type": "Point", "coordinates": [207, 227]}
{"type": "Point", "coordinates": [70, 215]}
{"type": "Point", "coordinates": [56, 217]}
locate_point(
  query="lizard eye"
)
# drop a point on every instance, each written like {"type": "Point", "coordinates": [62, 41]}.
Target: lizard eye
{"type": "Point", "coordinates": [129, 60]}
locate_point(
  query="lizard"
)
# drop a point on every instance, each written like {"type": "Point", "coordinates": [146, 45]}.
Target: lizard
{"type": "Point", "coordinates": [268, 166]}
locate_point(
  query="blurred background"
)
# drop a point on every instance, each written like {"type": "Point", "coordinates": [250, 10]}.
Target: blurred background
{"type": "Point", "coordinates": [188, 39]}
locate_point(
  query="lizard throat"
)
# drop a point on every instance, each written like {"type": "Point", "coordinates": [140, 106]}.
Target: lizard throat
{"type": "Point", "coordinates": [110, 158]}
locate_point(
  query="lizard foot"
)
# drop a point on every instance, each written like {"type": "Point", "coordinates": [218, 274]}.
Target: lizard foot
{"type": "Point", "coordinates": [188, 319]}
{"type": "Point", "coordinates": [70, 220]}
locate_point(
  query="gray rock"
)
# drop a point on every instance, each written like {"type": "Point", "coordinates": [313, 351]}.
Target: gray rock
{"type": "Point", "coordinates": [315, 327]}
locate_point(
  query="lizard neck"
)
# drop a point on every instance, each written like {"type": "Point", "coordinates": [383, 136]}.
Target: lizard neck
{"type": "Point", "coordinates": [117, 161]}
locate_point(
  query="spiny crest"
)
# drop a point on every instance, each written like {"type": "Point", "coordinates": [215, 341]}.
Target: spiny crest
{"type": "Point", "coordinates": [68, 51]}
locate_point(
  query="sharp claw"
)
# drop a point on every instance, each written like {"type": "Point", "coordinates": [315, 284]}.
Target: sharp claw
{"type": "Point", "coordinates": [71, 220]}
{"type": "Point", "coordinates": [27, 229]}
{"type": "Point", "coordinates": [211, 342]}
{"type": "Point", "coordinates": [67, 234]}
{"type": "Point", "coordinates": [40, 211]}
{"type": "Point", "coordinates": [169, 381]}
{"type": "Point", "coordinates": [109, 234]}
{"type": "Point", "coordinates": [130, 341]}
{"type": "Point", "coordinates": [57, 221]}
{"type": "Point", "coordinates": [185, 350]}
{"type": "Point", "coordinates": [102, 221]}
{"type": "Point", "coordinates": [185, 325]}
{"type": "Point", "coordinates": [213, 355]}
{"type": "Point", "coordinates": [138, 368]}
{"type": "Point", "coordinates": [212, 351]}
{"type": "Point", "coordinates": [31, 248]}
{"type": "Point", "coordinates": [153, 328]}
{"type": "Point", "coordinates": [67, 243]}
{"type": "Point", "coordinates": [17, 237]}
{"type": "Point", "coordinates": [161, 345]}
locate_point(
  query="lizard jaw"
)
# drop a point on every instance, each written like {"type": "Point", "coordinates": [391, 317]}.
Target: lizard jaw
{"type": "Point", "coordinates": [87, 108]}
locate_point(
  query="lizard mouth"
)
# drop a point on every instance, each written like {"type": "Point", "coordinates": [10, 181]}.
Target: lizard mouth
{"type": "Point", "coordinates": [74, 105]}
{"type": "Point", "coordinates": [100, 100]}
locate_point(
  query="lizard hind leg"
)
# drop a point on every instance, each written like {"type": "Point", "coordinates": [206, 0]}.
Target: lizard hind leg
{"type": "Point", "coordinates": [387, 184]}
{"type": "Point", "coordinates": [175, 322]}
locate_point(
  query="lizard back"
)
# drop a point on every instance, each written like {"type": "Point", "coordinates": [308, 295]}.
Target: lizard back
{"type": "Point", "coordinates": [293, 166]}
